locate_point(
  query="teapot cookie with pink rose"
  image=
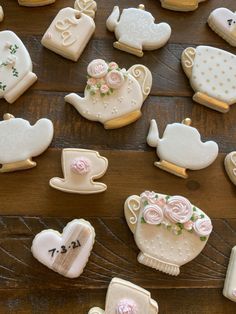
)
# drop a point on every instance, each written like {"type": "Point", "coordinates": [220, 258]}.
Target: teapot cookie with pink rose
{"type": "Point", "coordinates": [113, 95]}
{"type": "Point", "coordinates": [168, 230]}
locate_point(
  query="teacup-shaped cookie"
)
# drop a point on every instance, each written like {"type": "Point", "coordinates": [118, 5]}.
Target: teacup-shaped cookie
{"type": "Point", "coordinates": [66, 253]}
{"type": "Point", "coordinates": [168, 230]}
{"type": "Point", "coordinates": [230, 166]}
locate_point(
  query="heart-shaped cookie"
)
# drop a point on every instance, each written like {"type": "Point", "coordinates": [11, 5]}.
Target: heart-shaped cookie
{"type": "Point", "coordinates": [223, 22]}
{"type": "Point", "coordinates": [16, 74]}
{"type": "Point", "coordinates": [66, 253]}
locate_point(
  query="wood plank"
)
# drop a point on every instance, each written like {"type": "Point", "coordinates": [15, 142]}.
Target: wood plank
{"type": "Point", "coordinates": [114, 255]}
{"type": "Point", "coordinates": [28, 192]}
{"type": "Point", "coordinates": [71, 129]}
{"type": "Point", "coordinates": [192, 25]}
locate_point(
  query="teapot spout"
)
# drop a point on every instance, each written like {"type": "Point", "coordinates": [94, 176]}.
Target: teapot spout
{"type": "Point", "coordinates": [75, 100]}
{"type": "Point", "coordinates": [153, 138]}
{"type": "Point", "coordinates": [112, 20]}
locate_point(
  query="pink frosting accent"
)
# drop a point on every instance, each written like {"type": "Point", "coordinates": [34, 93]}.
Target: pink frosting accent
{"type": "Point", "coordinates": [104, 89]}
{"type": "Point", "coordinates": [178, 209]}
{"type": "Point", "coordinates": [234, 292]}
{"type": "Point", "coordinates": [126, 306]}
{"type": "Point", "coordinates": [91, 81]}
{"type": "Point", "coordinates": [153, 214]}
{"type": "Point", "coordinates": [115, 79]}
{"type": "Point", "coordinates": [203, 227]}
{"type": "Point", "coordinates": [147, 195]}
{"type": "Point", "coordinates": [48, 36]}
{"type": "Point", "coordinates": [7, 44]}
{"type": "Point", "coordinates": [11, 60]}
{"type": "Point", "coordinates": [80, 166]}
{"type": "Point", "coordinates": [188, 225]}
{"type": "Point", "coordinates": [113, 66]}
{"type": "Point", "coordinates": [97, 68]}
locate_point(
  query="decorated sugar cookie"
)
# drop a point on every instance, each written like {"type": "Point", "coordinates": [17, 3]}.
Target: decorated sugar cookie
{"type": "Point", "coordinates": [16, 74]}
{"type": "Point", "coordinates": [168, 230]}
{"type": "Point", "coordinates": [135, 30]}
{"type": "Point", "coordinates": [230, 166]}
{"type": "Point", "coordinates": [80, 168]}
{"type": "Point", "coordinates": [181, 148]}
{"type": "Point", "coordinates": [212, 74]}
{"type": "Point", "coordinates": [35, 3]}
{"type": "Point", "coordinates": [66, 253]}
{"type": "Point", "coordinates": [113, 96]}
{"type": "Point", "coordinates": [181, 5]}
{"type": "Point", "coordinates": [71, 30]}
{"type": "Point", "coordinates": [230, 280]}
{"type": "Point", "coordinates": [1, 14]}
{"type": "Point", "coordinates": [223, 22]}
{"type": "Point", "coordinates": [123, 297]}
{"type": "Point", "coordinates": [20, 141]}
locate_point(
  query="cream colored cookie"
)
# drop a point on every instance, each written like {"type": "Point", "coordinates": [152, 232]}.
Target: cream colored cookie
{"type": "Point", "coordinates": [71, 30]}
{"type": "Point", "coordinates": [230, 280]}
{"type": "Point", "coordinates": [223, 22]}
{"type": "Point", "coordinates": [113, 96]}
{"type": "Point", "coordinates": [16, 74]}
{"type": "Point", "coordinates": [20, 142]}
{"type": "Point", "coordinates": [135, 30]}
{"type": "Point", "coordinates": [123, 297]}
{"type": "Point", "coordinates": [1, 14]}
{"type": "Point", "coordinates": [230, 166]}
{"type": "Point", "coordinates": [168, 230]}
{"type": "Point", "coordinates": [66, 253]}
{"type": "Point", "coordinates": [212, 73]}
{"type": "Point", "coordinates": [80, 168]}
{"type": "Point", "coordinates": [35, 3]}
{"type": "Point", "coordinates": [181, 148]}
{"type": "Point", "coordinates": [181, 5]}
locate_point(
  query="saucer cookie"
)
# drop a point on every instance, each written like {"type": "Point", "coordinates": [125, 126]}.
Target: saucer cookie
{"type": "Point", "coordinates": [16, 74]}
{"type": "Point", "coordinates": [113, 96]}
{"type": "Point", "coordinates": [212, 74]}
{"type": "Point", "coordinates": [181, 5]}
{"type": "Point", "coordinates": [71, 30]}
{"type": "Point", "coordinates": [123, 297]}
{"type": "Point", "coordinates": [66, 253]}
{"type": "Point", "coordinates": [35, 3]}
{"type": "Point", "coordinates": [181, 148]}
{"type": "Point", "coordinates": [80, 168]}
{"type": "Point", "coordinates": [230, 166]}
{"type": "Point", "coordinates": [229, 290]}
{"type": "Point", "coordinates": [223, 22]}
{"type": "Point", "coordinates": [168, 230]}
{"type": "Point", "coordinates": [1, 14]}
{"type": "Point", "coordinates": [21, 141]}
{"type": "Point", "coordinates": [135, 30]}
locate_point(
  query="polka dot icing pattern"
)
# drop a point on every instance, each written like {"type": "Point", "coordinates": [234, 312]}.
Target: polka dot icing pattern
{"type": "Point", "coordinates": [174, 232]}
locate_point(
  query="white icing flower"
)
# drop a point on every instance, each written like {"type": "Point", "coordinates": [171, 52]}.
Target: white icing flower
{"type": "Point", "coordinates": [104, 89]}
{"type": "Point", "coordinates": [153, 214]}
{"type": "Point", "coordinates": [113, 66]}
{"type": "Point", "coordinates": [115, 79]}
{"type": "Point", "coordinates": [97, 68]}
{"type": "Point", "coordinates": [188, 225]}
{"type": "Point", "coordinates": [149, 196]}
{"type": "Point", "coordinates": [126, 306]}
{"type": "Point", "coordinates": [178, 209]}
{"type": "Point", "coordinates": [203, 227]}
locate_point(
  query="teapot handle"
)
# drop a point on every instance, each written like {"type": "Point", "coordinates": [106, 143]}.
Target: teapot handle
{"type": "Point", "coordinates": [96, 310]}
{"type": "Point", "coordinates": [131, 210]}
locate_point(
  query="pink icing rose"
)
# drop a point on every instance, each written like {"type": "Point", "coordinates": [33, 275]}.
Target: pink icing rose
{"type": "Point", "coordinates": [115, 79]}
{"type": "Point", "coordinates": [126, 306]}
{"type": "Point", "coordinates": [203, 227]}
{"type": "Point", "coordinates": [113, 65]}
{"type": "Point", "coordinates": [80, 166]}
{"type": "Point", "coordinates": [97, 68]}
{"type": "Point", "coordinates": [11, 60]}
{"type": "Point", "coordinates": [148, 196]}
{"type": "Point", "coordinates": [188, 225]}
{"type": "Point", "coordinates": [104, 89]}
{"type": "Point", "coordinates": [91, 81]}
{"type": "Point", "coordinates": [178, 209]}
{"type": "Point", "coordinates": [153, 214]}
{"type": "Point", "coordinates": [8, 44]}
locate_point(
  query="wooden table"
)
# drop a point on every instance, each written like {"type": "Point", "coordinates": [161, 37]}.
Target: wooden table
{"type": "Point", "coordinates": [28, 204]}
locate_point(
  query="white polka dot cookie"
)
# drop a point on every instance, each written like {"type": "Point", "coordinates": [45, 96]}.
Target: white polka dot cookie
{"type": "Point", "coordinates": [212, 75]}
{"type": "Point", "coordinates": [168, 230]}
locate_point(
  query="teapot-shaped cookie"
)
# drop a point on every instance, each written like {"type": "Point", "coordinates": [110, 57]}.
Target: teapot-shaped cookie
{"type": "Point", "coordinates": [135, 30]}
{"type": "Point", "coordinates": [181, 5]}
{"type": "Point", "coordinates": [181, 148]}
{"type": "Point", "coordinates": [123, 297]}
{"type": "Point", "coordinates": [113, 96]}
{"type": "Point", "coordinates": [168, 230]}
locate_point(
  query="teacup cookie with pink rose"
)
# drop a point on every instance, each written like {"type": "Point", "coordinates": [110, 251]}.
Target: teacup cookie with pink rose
{"type": "Point", "coordinates": [80, 168]}
{"type": "Point", "coordinates": [124, 297]}
{"type": "Point", "coordinates": [113, 95]}
{"type": "Point", "coordinates": [168, 230]}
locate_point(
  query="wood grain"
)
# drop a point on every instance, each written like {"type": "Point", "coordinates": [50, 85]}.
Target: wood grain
{"type": "Point", "coordinates": [29, 205]}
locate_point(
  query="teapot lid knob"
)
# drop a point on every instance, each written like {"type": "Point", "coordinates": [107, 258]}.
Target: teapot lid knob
{"type": "Point", "coordinates": [141, 7]}
{"type": "Point", "coordinates": [187, 121]}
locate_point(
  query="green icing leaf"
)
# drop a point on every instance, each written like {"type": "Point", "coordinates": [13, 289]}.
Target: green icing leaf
{"type": "Point", "coordinates": [167, 197]}
{"type": "Point", "coordinates": [143, 220]}
{"type": "Point", "coordinates": [202, 216]}
{"type": "Point", "coordinates": [194, 209]}
{"type": "Point", "coordinates": [145, 203]}
{"type": "Point", "coordinates": [203, 238]}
